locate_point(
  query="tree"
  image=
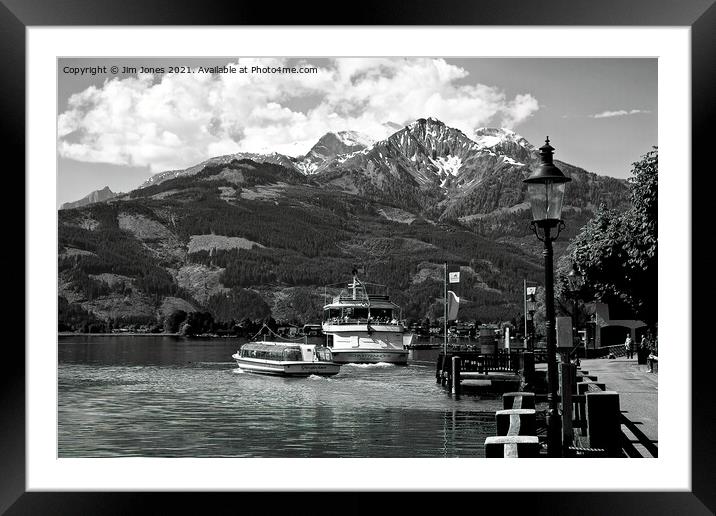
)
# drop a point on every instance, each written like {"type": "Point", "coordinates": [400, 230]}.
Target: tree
{"type": "Point", "coordinates": [238, 303]}
{"type": "Point", "coordinates": [617, 252]}
{"type": "Point", "coordinates": [173, 321]}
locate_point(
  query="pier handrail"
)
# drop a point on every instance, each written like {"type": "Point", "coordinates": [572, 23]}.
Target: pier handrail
{"type": "Point", "coordinates": [473, 361]}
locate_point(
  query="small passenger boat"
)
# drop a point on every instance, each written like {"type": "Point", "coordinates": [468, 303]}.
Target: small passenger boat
{"type": "Point", "coordinates": [286, 359]}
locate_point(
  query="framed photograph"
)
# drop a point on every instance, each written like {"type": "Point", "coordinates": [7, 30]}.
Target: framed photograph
{"type": "Point", "coordinates": [304, 256]}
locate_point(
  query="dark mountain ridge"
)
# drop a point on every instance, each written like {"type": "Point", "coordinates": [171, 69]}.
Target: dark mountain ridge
{"type": "Point", "coordinates": [242, 238]}
{"type": "Point", "coordinates": [96, 196]}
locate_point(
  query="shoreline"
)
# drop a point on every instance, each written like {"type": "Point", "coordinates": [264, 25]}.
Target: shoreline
{"type": "Point", "coordinates": [145, 334]}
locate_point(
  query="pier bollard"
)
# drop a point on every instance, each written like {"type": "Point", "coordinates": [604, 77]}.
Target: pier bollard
{"type": "Point", "coordinates": [528, 367]}
{"type": "Point", "coordinates": [604, 421]}
{"type": "Point", "coordinates": [586, 387]}
{"type": "Point", "coordinates": [456, 375]}
{"type": "Point", "coordinates": [442, 372]}
{"type": "Point", "coordinates": [567, 372]}
{"type": "Point", "coordinates": [518, 400]}
{"type": "Point", "coordinates": [567, 387]}
{"type": "Point", "coordinates": [582, 389]}
{"type": "Point", "coordinates": [516, 422]}
{"type": "Point", "coordinates": [512, 446]}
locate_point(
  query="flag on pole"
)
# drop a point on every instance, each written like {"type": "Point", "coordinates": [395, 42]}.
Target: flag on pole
{"type": "Point", "coordinates": [453, 305]}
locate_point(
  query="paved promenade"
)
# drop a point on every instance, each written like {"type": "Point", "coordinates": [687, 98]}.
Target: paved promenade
{"type": "Point", "coordinates": [638, 399]}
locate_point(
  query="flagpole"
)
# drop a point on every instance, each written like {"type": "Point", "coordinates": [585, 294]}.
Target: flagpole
{"type": "Point", "coordinates": [445, 312]}
{"type": "Point", "coordinates": [524, 304]}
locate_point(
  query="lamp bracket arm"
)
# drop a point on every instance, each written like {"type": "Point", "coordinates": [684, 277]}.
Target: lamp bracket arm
{"type": "Point", "coordinates": [535, 229]}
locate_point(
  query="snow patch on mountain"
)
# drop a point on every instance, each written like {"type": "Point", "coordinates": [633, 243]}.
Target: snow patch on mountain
{"type": "Point", "coordinates": [329, 146]}
{"type": "Point", "coordinates": [354, 138]}
{"type": "Point", "coordinates": [448, 166]}
{"type": "Point", "coordinates": [511, 161]}
{"type": "Point", "coordinates": [307, 167]}
{"type": "Point", "coordinates": [489, 137]}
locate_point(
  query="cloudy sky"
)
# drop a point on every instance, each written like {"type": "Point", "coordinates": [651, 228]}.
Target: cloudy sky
{"type": "Point", "coordinates": [117, 130]}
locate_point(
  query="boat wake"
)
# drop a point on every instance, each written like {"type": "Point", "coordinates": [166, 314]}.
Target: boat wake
{"type": "Point", "coordinates": [366, 366]}
{"type": "Point", "coordinates": [318, 377]}
{"type": "Point", "coordinates": [238, 370]}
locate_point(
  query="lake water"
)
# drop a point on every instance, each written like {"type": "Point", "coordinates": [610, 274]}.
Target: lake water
{"type": "Point", "coordinates": [161, 396]}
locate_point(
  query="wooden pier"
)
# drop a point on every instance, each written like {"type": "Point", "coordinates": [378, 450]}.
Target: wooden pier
{"type": "Point", "coordinates": [516, 428]}
{"type": "Point", "coordinates": [590, 414]}
{"type": "Point", "coordinates": [500, 372]}
{"type": "Point", "coordinates": [591, 419]}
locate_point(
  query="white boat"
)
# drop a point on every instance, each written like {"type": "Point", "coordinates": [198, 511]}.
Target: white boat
{"type": "Point", "coordinates": [363, 327]}
{"type": "Point", "coordinates": [286, 359]}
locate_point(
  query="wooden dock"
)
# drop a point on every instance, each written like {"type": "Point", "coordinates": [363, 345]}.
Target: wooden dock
{"type": "Point", "coordinates": [591, 420]}
{"type": "Point", "coordinates": [461, 371]}
{"type": "Point", "coordinates": [516, 428]}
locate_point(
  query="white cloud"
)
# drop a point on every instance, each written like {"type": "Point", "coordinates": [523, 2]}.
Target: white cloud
{"type": "Point", "coordinates": [620, 112]}
{"type": "Point", "coordinates": [182, 119]}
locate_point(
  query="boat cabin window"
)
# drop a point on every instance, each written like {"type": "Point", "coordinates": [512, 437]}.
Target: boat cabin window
{"type": "Point", "coordinates": [292, 355]}
{"type": "Point", "coordinates": [277, 353]}
{"type": "Point", "coordinates": [324, 354]}
{"type": "Point", "coordinates": [360, 313]}
{"type": "Point", "coordinates": [382, 314]}
{"type": "Point", "coordinates": [353, 314]}
{"type": "Point", "coordinates": [331, 313]}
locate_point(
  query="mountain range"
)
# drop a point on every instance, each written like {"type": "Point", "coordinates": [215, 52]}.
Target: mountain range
{"type": "Point", "coordinates": [246, 235]}
{"type": "Point", "coordinates": [97, 196]}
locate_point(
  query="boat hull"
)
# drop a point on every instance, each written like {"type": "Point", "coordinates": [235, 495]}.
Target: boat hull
{"type": "Point", "coordinates": [370, 356]}
{"type": "Point", "coordinates": [297, 369]}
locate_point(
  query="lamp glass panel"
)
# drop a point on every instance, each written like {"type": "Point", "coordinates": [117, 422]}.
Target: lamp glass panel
{"type": "Point", "coordinates": [546, 200]}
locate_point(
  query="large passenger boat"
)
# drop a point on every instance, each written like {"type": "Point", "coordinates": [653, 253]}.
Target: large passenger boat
{"type": "Point", "coordinates": [286, 359]}
{"type": "Point", "coordinates": [365, 327]}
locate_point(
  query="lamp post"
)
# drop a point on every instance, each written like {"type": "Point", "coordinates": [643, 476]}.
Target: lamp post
{"type": "Point", "coordinates": [545, 190]}
{"type": "Point", "coordinates": [531, 309]}
{"type": "Point", "coordinates": [575, 281]}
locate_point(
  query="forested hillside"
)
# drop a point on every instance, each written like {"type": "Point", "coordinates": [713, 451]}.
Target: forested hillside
{"type": "Point", "coordinates": [243, 240]}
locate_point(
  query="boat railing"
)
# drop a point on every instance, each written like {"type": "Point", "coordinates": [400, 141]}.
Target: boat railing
{"type": "Point", "coordinates": [354, 320]}
{"type": "Point", "coordinates": [360, 296]}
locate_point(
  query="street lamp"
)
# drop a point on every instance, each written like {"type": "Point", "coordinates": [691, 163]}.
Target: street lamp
{"type": "Point", "coordinates": [575, 281]}
{"type": "Point", "coordinates": [545, 191]}
{"type": "Point", "coordinates": [531, 309]}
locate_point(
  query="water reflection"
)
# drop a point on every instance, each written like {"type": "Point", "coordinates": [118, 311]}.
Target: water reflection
{"type": "Point", "coordinates": [163, 396]}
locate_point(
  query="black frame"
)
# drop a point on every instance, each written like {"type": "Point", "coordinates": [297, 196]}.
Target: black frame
{"type": "Point", "coordinates": [16, 15]}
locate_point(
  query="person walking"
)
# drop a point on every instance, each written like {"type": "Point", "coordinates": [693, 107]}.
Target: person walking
{"type": "Point", "coordinates": [629, 346]}
{"type": "Point", "coordinates": [653, 353]}
{"type": "Point", "coordinates": [642, 351]}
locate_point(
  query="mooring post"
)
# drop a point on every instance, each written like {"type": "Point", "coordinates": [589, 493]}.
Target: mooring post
{"type": "Point", "coordinates": [442, 369]}
{"type": "Point", "coordinates": [582, 389]}
{"type": "Point", "coordinates": [456, 375]}
{"type": "Point", "coordinates": [528, 367]}
{"type": "Point", "coordinates": [604, 421]}
{"type": "Point", "coordinates": [518, 400]}
{"type": "Point", "coordinates": [567, 386]}
{"type": "Point", "coordinates": [516, 422]}
{"type": "Point", "coordinates": [512, 446]}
